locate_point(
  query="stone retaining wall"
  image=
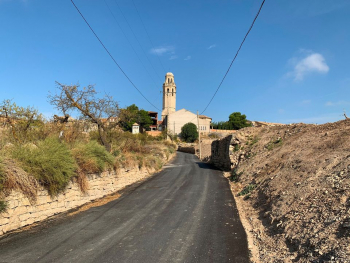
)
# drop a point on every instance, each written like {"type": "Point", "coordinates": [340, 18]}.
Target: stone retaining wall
{"type": "Point", "coordinates": [220, 154]}
{"type": "Point", "coordinates": [21, 213]}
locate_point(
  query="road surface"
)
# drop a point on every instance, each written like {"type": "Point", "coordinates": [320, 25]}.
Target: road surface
{"type": "Point", "coordinates": [186, 213]}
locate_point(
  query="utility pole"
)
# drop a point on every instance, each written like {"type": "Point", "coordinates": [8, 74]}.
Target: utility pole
{"type": "Point", "coordinates": [199, 138]}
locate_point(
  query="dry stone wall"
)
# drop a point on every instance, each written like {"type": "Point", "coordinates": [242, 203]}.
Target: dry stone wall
{"type": "Point", "coordinates": [216, 152]}
{"type": "Point", "coordinates": [21, 213]}
{"type": "Point", "coordinates": [220, 155]}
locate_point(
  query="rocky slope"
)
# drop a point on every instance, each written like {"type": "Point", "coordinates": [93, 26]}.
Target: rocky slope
{"type": "Point", "coordinates": [293, 183]}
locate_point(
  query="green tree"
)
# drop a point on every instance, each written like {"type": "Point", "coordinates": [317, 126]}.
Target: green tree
{"type": "Point", "coordinates": [132, 114]}
{"type": "Point", "coordinates": [189, 132]}
{"type": "Point", "coordinates": [238, 121]}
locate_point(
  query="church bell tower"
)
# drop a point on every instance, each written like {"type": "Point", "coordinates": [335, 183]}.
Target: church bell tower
{"type": "Point", "coordinates": [169, 95]}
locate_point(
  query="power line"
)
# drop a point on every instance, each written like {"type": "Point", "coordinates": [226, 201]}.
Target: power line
{"type": "Point", "coordinates": [148, 34]}
{"type": "Point", "coordinates": [115, 62]}
{"type": "Point", "coordinates": [132, 31]}
{"type": "Point", "coordinates": [250, 28]}
{"type": "Point", "coordinates": [129, 42]}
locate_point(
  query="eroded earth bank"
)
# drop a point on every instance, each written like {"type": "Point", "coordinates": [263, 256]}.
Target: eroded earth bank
{"type": "Point", "coordinates": [292, 186]}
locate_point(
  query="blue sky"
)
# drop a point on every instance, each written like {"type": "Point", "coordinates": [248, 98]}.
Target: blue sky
{"type": "Point", "coordinates": [293, 67]}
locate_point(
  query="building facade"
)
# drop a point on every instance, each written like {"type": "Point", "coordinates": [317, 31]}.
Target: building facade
{"type": "Point", "coordinates": [169, 95]}
{"type": "Point", "coordinates": [173, 120]}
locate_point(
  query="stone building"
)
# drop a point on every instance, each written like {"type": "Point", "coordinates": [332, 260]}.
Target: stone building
{"type": "Point", "coordinates": [169, 95]}
{"type": "Point", "coordinates": [174, 120]}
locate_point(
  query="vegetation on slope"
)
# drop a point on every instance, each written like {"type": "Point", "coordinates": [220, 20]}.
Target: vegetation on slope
{"type": "Point", "coordinates": [53, 154]}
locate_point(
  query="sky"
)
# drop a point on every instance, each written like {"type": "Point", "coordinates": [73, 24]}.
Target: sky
{"type": "Point", "coordinates": [293, 66]}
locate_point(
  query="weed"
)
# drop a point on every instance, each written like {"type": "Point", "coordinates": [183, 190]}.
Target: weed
{"type": "Point", "coordinates": [92, 157]}
{"type": "Point", "coordinates": [273, 144]}
{"type": "Point", "coordinates": [2, 175]}
{"type": "Point", "coordinates": [214, 136]}
{"type": "Point", "coordinates": [236, 148]}
{"type": "Point", "coordinates": [3, 206]}
{"type": "Point", "coordinates": [82, 181]}
{"type": "Point", "coordinates": [234, 177]}
{"type": "Point", "coordinates": [51, 163]}
{"type": "Point", "coordinates": [247, 190]}
{"type": "Point", "coordinates": [254, 140]}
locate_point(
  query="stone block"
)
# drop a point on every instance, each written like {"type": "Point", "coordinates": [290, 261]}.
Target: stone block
{"type": "Point", "coordinates": [20, 210]}
{"type": "Point", "coordinates": [4, 221]}
{"type": "Point", "coordinates": [24, 217]}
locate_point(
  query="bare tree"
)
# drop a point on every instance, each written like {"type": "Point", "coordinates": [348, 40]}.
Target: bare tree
{"type": "Point", "coordinates": [346, 117]}
{"type": "Point", "coordinates": [90, 107]}
{"type": "Point", "coordinates": [19, 119]}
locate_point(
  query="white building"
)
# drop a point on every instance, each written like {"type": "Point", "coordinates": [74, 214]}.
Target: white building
{"type": "Point", "coordinates": [174, 120]}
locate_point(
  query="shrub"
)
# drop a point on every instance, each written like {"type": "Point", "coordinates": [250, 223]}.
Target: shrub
{"type": "Point", "coordinates": [246, 190]}
{"type": "Point", "coordinates": [236, 148]}
{"type": "Point", "coordinates": [274, 143]}
{"type": "Point", "coordinates": [234, 177]}
{"type": "Point", "coordinates": [92, 157]}
{"type": "Point", "coordinates": [51, 163]}
{"type": "Point", "coordinates": [189, 132]}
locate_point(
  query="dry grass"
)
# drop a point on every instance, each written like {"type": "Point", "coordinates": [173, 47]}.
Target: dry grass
{"type": "Point", "coordinates": [82, 181]}
{"type": "Point", "coordinates": [16, 178]}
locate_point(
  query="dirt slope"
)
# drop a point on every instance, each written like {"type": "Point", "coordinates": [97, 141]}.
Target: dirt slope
{"type": "Point", "coordinates": [296, 190]}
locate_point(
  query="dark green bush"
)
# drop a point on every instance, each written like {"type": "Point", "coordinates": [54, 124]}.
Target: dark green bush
{"type": "Point", "coordinates": [189, 132]}
{"type": "Point", "coordinates": [50, 162]}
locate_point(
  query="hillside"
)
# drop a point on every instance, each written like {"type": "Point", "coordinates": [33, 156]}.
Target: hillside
{"type": "Point", "coordinates": [292, 186]}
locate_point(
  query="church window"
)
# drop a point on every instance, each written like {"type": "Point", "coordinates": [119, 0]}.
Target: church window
{"type": "Point", "coordinates": [173, 92]}
{"type": "Point", "coordinates": [167, 91]}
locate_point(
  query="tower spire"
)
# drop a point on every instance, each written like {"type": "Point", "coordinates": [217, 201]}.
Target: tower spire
{"type": "Point", "coordinates": [169, 95]}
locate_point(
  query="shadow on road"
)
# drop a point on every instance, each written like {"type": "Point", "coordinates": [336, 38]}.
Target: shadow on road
{"type": "Point", "coordinates": [207, 166]}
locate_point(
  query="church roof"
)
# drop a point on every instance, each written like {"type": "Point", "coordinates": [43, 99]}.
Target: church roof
{"type": "Point", "coordinates": [204, 117]}
{"type": "Point", "coordinates": [169, 73]}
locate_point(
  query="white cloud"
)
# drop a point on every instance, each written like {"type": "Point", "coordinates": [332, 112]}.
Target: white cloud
{"type": "Point", "coordinates": [211, 46]}
{"type": "Point", "coordinates": [312, 63]}
{"type": "Point", "coordinates": [188, 58]}
{"type": "Point", "coordinates": [162, 50]}
{"type": "Point", "coordinates": [173, 57]}
{"type": "Point", "coordinates": [337, 103]}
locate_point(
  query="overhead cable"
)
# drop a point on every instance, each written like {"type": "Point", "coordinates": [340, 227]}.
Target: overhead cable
{"type": "Point", "coordinates": [115, 62]}
{"type": "Point", "coordinates": [250, 28]}
{"type": "Point", "coordinates": [132, 31]}
{"type": "Point", "coordinates": [115, 19]}
{"type": "Point", "coordinates": [149, 38]}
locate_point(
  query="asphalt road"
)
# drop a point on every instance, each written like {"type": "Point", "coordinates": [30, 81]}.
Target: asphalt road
{"type": "Point", "coordinates": [186, 213]}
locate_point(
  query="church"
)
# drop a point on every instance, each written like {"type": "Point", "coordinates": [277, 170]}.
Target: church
{"type": "Point", "coordinates": [173, 120]}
